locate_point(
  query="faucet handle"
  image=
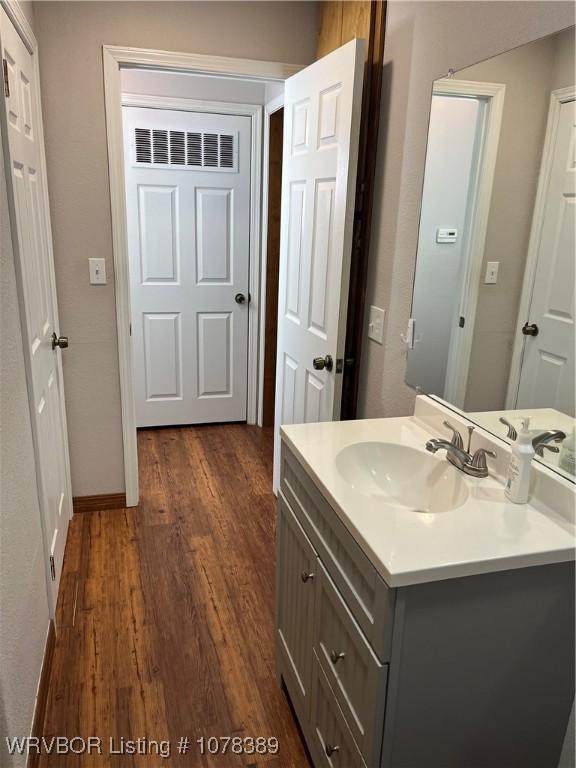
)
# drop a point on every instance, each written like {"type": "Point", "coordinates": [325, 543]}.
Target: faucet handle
{"type": "Point", "coordinates": [456, 436]}
{"type": "Point", "coordinates": [512, 433]}
{"type": "Point", "coordinates": [479, 458]}
{"type": "Point", "coordinates": [541, 447]}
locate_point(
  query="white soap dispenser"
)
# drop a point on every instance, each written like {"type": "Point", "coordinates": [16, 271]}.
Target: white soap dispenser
{"type": "Point", "coordinates": [518, 478]}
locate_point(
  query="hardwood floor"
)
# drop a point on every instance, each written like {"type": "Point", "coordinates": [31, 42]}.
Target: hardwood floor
{"type": "Point", "coordinates": [166, 611]}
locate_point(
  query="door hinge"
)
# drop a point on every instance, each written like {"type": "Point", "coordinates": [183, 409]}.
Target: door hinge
{"type": "Point", "coordinates": [52, 568]}
{"type": "Point", "coordinates": [130, 329]}
{"type": "Point", "coordinates": [462, 322]}
{"type": "Point", "coordinates": [6, 80]}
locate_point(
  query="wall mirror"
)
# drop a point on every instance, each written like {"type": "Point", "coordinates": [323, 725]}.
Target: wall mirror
{"type": "Point", "coordinates": [493, 301]}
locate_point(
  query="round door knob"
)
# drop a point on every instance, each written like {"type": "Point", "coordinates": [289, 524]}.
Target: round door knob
{"type": "Point", "coordinates": [306, 576]}
{"type": "Point", "coordinates": [335, 656]}
{"type": "Point", "coordinates": [530, 329]}
{"type": "Point", "coordinates": [321, 363]}
{"type": "Point", "coordinates": [331, 748]}
{"type": "Point", "coordinates": [240, 298]}
{"type": "Point", "coordinates": [59, 341]}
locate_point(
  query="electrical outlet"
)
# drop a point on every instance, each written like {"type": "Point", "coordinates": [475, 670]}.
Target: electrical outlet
{"type": "Point", "coordinates": [376, 324]}
{"type": "Point", "coordinates": [491, 275]}
{"type": "Point", "coordinates": [97, 271]}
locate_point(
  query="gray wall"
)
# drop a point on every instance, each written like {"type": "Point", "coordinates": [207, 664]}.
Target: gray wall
{"type": "Point", "coordinates": [70, 37]}
{"type": "Point", "coordinates": [423, 41]}
{"type": "Point", "coordinates": [23, 596]}
{"type": "Point", "coordinates": [530, 74]}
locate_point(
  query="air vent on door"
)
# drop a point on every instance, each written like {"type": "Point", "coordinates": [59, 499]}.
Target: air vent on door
{"type": "Point", "coordinates": [210, 151]}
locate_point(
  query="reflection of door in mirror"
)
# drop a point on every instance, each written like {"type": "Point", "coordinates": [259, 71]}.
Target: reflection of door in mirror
{"type": "Point", "coordinates": [493, 305]}
{"type": "Point", "coordinates": [462, 144]}
{"type": "Point", "coordinates": [542, 372]}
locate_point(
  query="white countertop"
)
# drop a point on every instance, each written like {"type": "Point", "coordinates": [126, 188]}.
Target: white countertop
{"type": "Point", "coordinates": [486, 534]}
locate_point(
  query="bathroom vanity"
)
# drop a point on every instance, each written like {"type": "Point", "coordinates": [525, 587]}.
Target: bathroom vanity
{"type": "Point", "coordinates": [422, 620]}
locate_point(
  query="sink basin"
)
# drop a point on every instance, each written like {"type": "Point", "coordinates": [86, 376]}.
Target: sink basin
{"type": "Point", "coordinates": [402, 475]}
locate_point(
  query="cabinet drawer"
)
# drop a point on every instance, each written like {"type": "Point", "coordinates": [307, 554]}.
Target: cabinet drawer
{"type": "Point", "coordinates": [365, 592]}
{"type": "Point", "coordinates": [356, 676]}
{"type": "Point", "coordinates": [296, 587]}
{"type": "Point", "coordinates": [332, 742]}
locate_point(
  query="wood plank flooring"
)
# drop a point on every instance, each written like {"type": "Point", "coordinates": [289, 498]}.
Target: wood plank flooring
{"type": "Point", "coordinates": [166, 611]}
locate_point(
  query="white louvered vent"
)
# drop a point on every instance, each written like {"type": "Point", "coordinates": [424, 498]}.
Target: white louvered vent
{"type": "Point", "coordinates": [211, 151]}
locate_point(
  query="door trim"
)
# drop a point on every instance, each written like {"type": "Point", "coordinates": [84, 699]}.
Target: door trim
{"type": "Point", "coordinates": [114, 58]}
{"type": "Point", "coordinates": [557, 98]}
{"type": "Point", "coordinates": [269, 109]}
{"type": "Point", "coordinates": [460, 349]}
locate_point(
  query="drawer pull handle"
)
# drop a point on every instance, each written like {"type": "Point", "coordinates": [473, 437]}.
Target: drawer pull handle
{"type": "Point", "coordinates": [306, 576]}
{"type": "Point", "coordinates": [331, 748]}
{"type": "Point", "coordinates": [335, 657]}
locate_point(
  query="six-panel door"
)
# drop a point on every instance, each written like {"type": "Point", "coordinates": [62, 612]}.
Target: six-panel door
{"type": "Point", "coordinates": [319, 160]}
{"type": "Point", "coordinates": [27, 179]}
{"type": "Point", "coordinates": [547, 375]}
{"type": "Point", "coordinates": [188, 216]}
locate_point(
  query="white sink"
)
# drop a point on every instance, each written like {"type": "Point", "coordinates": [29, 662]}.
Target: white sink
{"type": "Point", "coordinates": [402, 475]}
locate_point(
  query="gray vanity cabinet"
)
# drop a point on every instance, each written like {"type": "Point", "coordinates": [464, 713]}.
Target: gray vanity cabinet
{"type": "Point", "coordinates": [462, 673]}
{"type": "Point", "coordinates": [296, 579]}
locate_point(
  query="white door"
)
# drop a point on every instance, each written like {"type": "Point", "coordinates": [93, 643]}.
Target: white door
{"type": "Point", "coordinates": [31, 231]}
{"type": "Point", "coordinates": [188, 214]}
{"type": "Point", "coordinates": [322, 106]}
{"type": "Point", "coordinates": [547, 374]}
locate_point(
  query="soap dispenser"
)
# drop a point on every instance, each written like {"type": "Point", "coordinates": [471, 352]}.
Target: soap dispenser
{"type": "Point", "coordinates": [518, 478]}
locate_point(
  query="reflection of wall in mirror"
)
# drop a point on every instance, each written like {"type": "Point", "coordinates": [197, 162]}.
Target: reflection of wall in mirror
{"type": "Point", "coordinates": [530, 73]}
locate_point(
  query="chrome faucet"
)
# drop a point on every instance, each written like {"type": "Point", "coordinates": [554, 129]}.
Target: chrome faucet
{"type": "Point", "coordinates": [471, 464]}
{"type": "Point", "coordinates": [543, 440]}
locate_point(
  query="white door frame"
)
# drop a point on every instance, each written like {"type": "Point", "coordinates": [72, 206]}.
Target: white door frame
{"type": "Point", "coordinates": [114, 59]}
{"type": "Point", "coordinates": [16, 15]}
{"type": "Point", "coordinates": [557, 98]}
{"type": "Point", "coordinates": [461, 343]}
{"type": "Point", "coordinates": [272, 106]}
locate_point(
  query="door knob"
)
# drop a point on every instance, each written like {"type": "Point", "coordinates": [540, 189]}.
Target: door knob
{"type": "Point", "coordinates": [240, 298]}
{"type": "Point", "coordinates": [59, 341]}
{"type": "Point", "coordinates": [321, 363]}
{"type": "Point", "coordinates": [305, 576]}
{"type": "Point", "coordinates": [530, 329]}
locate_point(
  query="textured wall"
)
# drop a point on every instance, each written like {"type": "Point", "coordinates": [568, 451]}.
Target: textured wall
{"type": "Point", "coordinates": [423, 41]}
{"type": "Point", "coordinates": [70, 36]}
{"type": "Point", "coordinates": [23, 596]}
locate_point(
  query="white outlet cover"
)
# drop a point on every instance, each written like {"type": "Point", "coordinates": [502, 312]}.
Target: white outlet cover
{"type": "Point", "coordinates": [376, 324]}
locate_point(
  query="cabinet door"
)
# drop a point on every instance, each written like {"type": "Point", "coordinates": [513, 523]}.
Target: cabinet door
{"type": "Point", "coordinates": [295, 590]}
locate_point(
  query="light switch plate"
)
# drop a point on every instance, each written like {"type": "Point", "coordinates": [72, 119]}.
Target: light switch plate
{"type": "Point", "coordinates": [376, 324]}
{"type": "Point", "coordinates": [491, 275]}
{"type": "Point", "coordinates": [97, 271]}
